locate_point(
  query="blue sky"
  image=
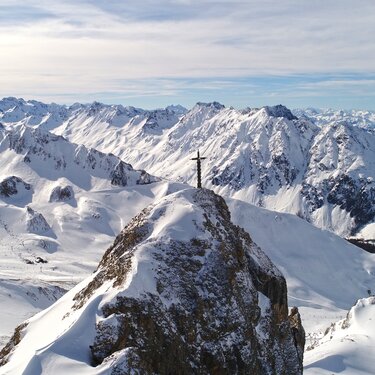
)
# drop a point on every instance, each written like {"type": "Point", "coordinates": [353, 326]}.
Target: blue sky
{"type": "Point", "coordinates": [154, 53]}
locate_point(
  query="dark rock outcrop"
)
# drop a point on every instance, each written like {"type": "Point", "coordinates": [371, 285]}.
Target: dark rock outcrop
{"type": "Point", "coordinates": [11, 185]}
{"type": "Point", "coordinates": [368, 245]}
{"type": "Point", "coordinates": [354, 196]}
{"type": "Point", "coordinates": [205, 317]}
{"type": "Point", "coordinates": [61, 194]}
{"type": "Point", "coordinates": [213, 105]}
{"type": "Point", "coordinates": [35, 222]}
{"type": "Point", "coordinates": [298, 331]}
{"type": "Point", "coordinates": [280, 111]}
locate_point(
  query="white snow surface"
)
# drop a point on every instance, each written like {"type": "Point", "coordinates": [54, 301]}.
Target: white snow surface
{"type": "Point", "coordinates": [311, 259]}
{"type": "Point", "coordinates": [348, 346]}
{"type": "Point", "coordinates": [79, 236]}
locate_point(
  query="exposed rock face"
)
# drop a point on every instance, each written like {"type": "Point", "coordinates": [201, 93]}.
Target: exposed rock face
{"type": "Point", "coordinates": [205, 316]}
{"type": "Point", "coordinates": [35, 222]}
{"type": "Point", "coordinates": [297, 330]}
{"type": "Point", "coordinates": [13, 342]}
{"type": "Point", "coordinates": [11, 185]}
{"type": "Point", "coordinates": [368, 245]}
{"type": "Point", "coordinates": [61, 194]}
{"type": "Point", "coordinates": [280, 111]}
{"type": "Point", "coordinates": [181, 291]}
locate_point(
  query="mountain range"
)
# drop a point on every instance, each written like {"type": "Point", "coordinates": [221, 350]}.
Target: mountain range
{"type": "Point", "coordinates": [72, 177]}
{"type": "Point", "coordinates": [319, 166]}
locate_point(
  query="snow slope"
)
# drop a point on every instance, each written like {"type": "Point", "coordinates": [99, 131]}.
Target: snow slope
{"type": "Point", "coordinates": [82, 226]}
{"type": "Point", "coordinates": [79, 235]}
{"type": "Point", "coordinates": [311, 259]}
{"type": "Point", "coordinates": [348, 346]}
{"type": "Point", "coordinates": [316, 263]}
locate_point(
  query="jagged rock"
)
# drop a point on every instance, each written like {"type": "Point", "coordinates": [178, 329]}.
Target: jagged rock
{"type": "Point", "coordinates": [11, 185]}
{"type": "Point", "coordinates": [61, 194]}
{"type": "Point", "coordinates": [9, 347]}
{"type": "Point", "coordinates": [297, 330]}
{"type": "Point", "coordinates": [119, 175]}
{"type": "Point", "coordinates": [195, 327]}
{"type": "Point", "coordinates": [280, 111]}
{"type": "Point", "coordinates": [215, 105]}
{"type": "Point", "coordinates": [181, 291]}
{"type": "Point", "coordinates": [35, 222]}
{"type": "Point", "coordinates": [354, 196]}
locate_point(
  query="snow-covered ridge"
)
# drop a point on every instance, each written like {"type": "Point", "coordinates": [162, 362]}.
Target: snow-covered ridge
{"type": "Point", "coordinates": [361, 118]}
{"type": "Point", "coordinates": [50, 116]}
{"type": "Point", "coordinates": [323, 172]}
{"type": "Point", "coordinates": [56, 155]}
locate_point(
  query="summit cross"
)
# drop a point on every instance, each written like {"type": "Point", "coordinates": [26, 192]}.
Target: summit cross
{"type": "Point", "coordinates": [198, 159]}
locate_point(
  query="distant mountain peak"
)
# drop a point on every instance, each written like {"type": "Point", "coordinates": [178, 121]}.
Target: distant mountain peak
{"type": "Point", "coordinates": [259, 155]}
{"type": "Point", "coordinates": [177, 108]}
{"type": "Point", "coordinates": [280, 111]}
{"type": "Point", "coordinates": [215, 105]}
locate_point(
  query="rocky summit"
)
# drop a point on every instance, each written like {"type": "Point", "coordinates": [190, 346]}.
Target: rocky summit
{"type": "Point", "coordinates": [182, 290]}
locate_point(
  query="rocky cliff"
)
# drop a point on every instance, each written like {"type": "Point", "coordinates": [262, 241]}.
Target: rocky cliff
{"type": "Point", "coordinates": [181, 291]}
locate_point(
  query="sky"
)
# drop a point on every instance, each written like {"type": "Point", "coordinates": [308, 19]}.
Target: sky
{"type": "Point", "coordinates": [300, 53]}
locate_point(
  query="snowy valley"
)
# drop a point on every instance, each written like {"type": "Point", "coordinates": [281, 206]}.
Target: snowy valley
{"type": "Point", "coordinates": [73, 177]}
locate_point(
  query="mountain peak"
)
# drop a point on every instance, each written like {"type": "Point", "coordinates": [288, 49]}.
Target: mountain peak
{"type": "Point", "coordinates": [177, 109]}
{"type": "Point", "coordinates": [280, 111]}
{"type": "Point", "coordinates": [181, 290]}
{"type": "Point", "coordinates": [214, 105]}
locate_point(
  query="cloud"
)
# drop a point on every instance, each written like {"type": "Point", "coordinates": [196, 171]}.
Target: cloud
{"type": "Point", "coordinates": [92, 45]}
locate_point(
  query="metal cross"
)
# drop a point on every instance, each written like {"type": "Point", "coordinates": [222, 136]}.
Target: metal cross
{"type": "Point", "coordinates": [198, 159]}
